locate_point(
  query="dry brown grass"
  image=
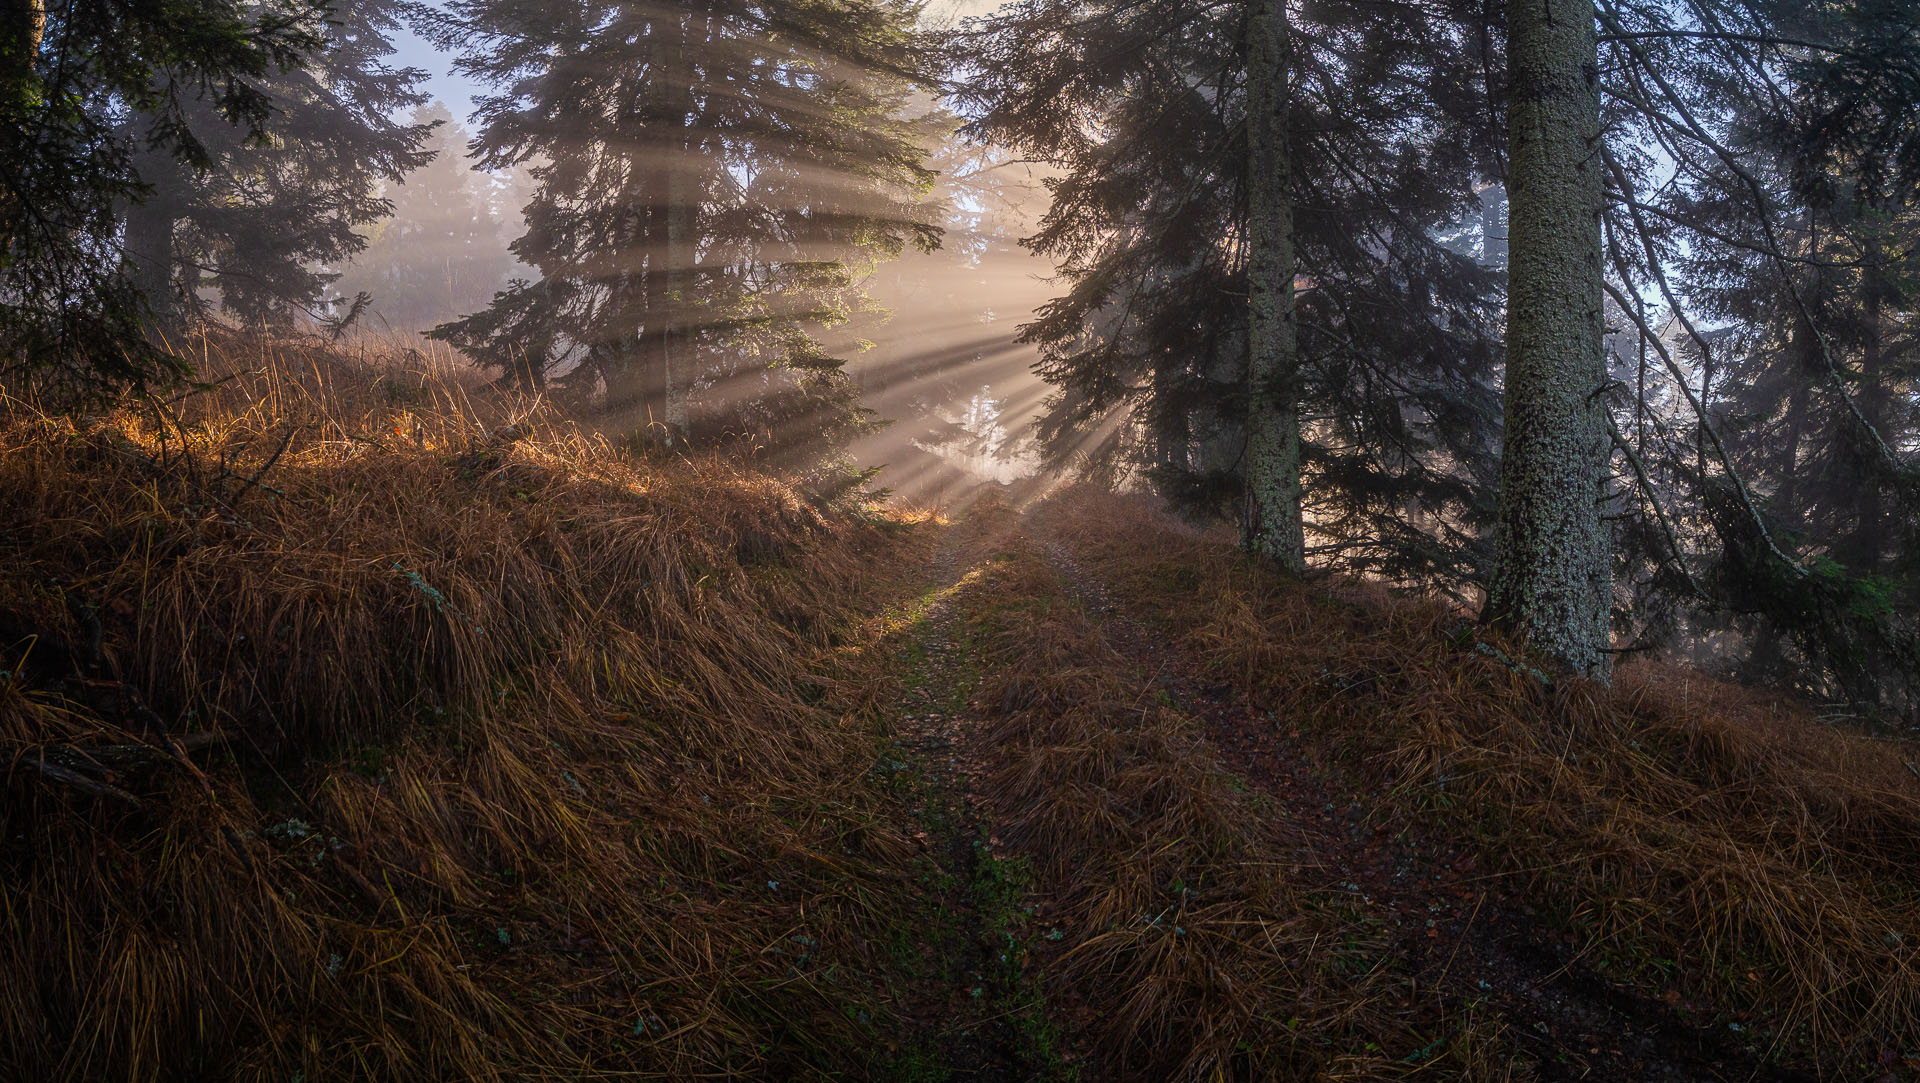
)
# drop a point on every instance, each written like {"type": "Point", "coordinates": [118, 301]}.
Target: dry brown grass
{"type": "Point", "coordinates": [1706, 842]}
{"type": "Point", "coordinates": [1188, 947]}
{"type": "Point", "coordinates": [434, 751]}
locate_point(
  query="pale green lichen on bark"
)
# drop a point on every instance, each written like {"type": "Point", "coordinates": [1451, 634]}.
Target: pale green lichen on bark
{"type": "Point", "coordinates": [1552, 580]}
{"type": "Point", "coordinates": [1272, 527]}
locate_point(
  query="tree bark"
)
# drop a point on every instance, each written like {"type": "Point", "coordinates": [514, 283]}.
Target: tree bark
{"type": "Point", "coordinates": [625, 350]}
{"type": "Point", "coordinates": [678, 254]}
{"type": "Point", "coordinates": [148, 243]}
{"type": "Point", "coordinates": [1272, 525]}
{"type": "Point", "coordinates": [24, 23]}
{"type": "Point", "coordinates": [1552, 583]}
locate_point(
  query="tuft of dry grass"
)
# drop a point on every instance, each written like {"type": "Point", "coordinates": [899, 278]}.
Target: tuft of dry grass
{"type": "Point", "coordinates": [1706, 842]}
{"type": "Point", "coordinates": [358, 723]}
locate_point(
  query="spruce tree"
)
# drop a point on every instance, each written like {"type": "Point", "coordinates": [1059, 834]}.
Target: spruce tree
{"type": "Point", "coordinates": [68, 75]}
{"type": "Point", "coordinates": [1799, 243]}
{"type": "Point", "coordinates": [442, 253]}
{"type": "Point", "coordinates": [709, 180]}
{"type": "Point", "coordinates": [1144, 113]}
{"type": "Point", "coordinates": [1273, 525]}
{"type": "Point", "coordinates": [269, 223]}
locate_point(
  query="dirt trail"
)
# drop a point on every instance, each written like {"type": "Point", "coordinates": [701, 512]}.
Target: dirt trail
{"type": "Point", "coordinates": [971, 1013]}
{"type": "Point", "coordinates": [1466, 957]}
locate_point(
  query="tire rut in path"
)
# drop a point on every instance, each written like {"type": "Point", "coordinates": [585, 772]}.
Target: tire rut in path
{"type": "Point", "coordinates": [964, 1009]}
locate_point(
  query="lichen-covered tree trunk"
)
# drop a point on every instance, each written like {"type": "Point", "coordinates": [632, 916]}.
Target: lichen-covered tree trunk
{"type": "Point", "coordinates": [1552, 581]}
{"type": "Point", "coordinates": [1272, 525]}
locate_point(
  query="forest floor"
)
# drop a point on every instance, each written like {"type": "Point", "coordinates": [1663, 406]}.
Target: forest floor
{"type": "Point", "coordinates": [1497, 987]}
{"type": "Point", "coordinates": [364, 728]}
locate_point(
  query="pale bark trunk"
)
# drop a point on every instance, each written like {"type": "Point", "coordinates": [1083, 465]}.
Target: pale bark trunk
{"type": "Point", "coordinates": [1272, 525]}
{"type": "Point", "coordinates": [1552, 582]}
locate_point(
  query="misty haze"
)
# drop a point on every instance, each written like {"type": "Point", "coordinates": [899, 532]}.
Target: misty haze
{"type": "Point", "coordinates": [1029, 541]}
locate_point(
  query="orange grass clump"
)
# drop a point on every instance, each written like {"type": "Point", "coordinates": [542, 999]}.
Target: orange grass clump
{"type": "Point", "coordinates": [360, 725]}
{"type": "Point", "coordinates": [1667, 817]}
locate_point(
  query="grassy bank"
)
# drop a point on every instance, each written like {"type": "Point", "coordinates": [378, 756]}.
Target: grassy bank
{"type": "Point", "coordinates": [360, 723]}
{"type": "Point", "coordinates": [1711, 846]}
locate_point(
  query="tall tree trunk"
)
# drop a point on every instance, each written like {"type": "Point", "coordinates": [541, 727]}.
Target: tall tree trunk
{"type": "Point", "coordinates": [678, 255]}
{"type": "Point", "coordinates": [22, 22]}
{"type": "Point", "coordinates": [650, 338]}
{"type": "Point", "coordinates": [1552, 581]}
{"type": "Point", "coordinates": [20, 32]}
{"type": "Point", "coordinates": [1863, 547]}
{"type": "Point", "coordinates": [625, 351]}
{"type": "Point", "coordinates": [663, 337]}
{"type": "Point", "coordinates": [1272, 526]}
{"type": "Point", "coordinates": [148, 243]}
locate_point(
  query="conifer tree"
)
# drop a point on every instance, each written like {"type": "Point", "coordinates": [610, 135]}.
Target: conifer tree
{"type": "Point", "coordinates": [68, 73]}
{"type": "Point", "coordinates": [1778, 130]}
{"type": "Point", "coordinates": [708, 179]}
{"type": "Point", "coordinates": [1799, 233]}
{"type": "Point", "coordinates": [269, 223]}
{"type": "Point", "coordinates": [1552, 581]}
{"type": "Point", "coordinates": [1273, 525]}
{"type": "Point", "coordinates": [1145, 114]}
{"type": "Point", "coordinates": [442, 253]}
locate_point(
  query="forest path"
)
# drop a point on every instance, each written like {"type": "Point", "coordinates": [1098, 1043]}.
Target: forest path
{"type": "Point", "coordinates": [1465, 980]}
{"type": "Point", "coordinates": [975, 1010]}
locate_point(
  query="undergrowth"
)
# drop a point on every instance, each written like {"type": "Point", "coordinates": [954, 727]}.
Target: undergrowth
{"type": "Point", "coordinates": [1716, 845]}
{"type": "Point", "coordinates": [361, 725]}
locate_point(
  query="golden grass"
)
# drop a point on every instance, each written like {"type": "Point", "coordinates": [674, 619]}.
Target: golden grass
{"type": "Point", "coordinates": [438, 750]}
{"type": "Point", "coordinates": [361, 723]}
{"type": "Point", "coordinates": [1704, 841]}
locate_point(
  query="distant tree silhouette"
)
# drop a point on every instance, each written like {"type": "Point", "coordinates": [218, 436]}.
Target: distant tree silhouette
{"type": "Point", "coordinates": [442, 253]}
{"type": "Point", "coordinates": [709, 179]}
{"type": "Point", "coordinates": [267, 225]}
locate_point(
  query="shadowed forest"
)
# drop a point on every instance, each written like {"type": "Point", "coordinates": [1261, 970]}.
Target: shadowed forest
{"type": "Point", "coordinates": [1148, 540]}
